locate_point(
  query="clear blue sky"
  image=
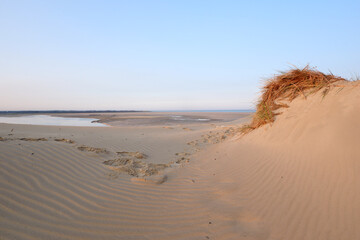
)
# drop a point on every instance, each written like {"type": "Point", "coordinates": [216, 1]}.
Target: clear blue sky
{"type": "Point", "coordinates": [158, 55]}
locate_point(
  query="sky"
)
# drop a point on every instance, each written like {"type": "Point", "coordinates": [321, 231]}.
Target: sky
{"type": "Point", "coordinates": [165, 55]}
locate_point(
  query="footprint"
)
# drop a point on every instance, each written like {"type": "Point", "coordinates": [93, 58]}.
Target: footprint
{"type": "Point", "coordinates": [137, 155]}
{"type": "Point", "coordinates": [64, 140]}
{"type": "Point", "coordinates": [134, 167]}
{"type": "Point", "coordinates": [3, 139]}
{"type": "Point", "coordinates": [92, 149]}
{"type": "Point", "coordinates": [150, 180]}
{"type": "Point", "coordinates": [33, 139]}
{"type": "Point", "coordinates": [131, 163]}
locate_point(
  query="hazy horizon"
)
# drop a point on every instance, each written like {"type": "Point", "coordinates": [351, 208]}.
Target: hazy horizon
{"type": "Point", "coordinates": [159, 55]}
{"type": "Point", "coordinates": [119, 110]}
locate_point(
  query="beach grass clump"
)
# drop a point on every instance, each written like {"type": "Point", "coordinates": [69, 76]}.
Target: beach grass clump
{"type": "Point", "coordinates": [286, 87]}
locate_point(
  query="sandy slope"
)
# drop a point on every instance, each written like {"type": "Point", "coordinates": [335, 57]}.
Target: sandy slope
{"type": "Point", "coordinates": [297, 179]}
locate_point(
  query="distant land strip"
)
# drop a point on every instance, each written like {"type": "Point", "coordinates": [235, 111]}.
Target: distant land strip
{"type": "Point", "coordinates": [68, 111]}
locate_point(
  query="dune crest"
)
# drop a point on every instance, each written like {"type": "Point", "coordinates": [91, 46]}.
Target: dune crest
{"type": "Point", "coordinates": [284, 88]}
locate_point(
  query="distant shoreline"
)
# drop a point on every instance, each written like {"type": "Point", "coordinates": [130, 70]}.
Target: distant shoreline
{"type": "Point", "coordinates": [115, 111]}
{"type": "Point", "coordinates": [205, 111]}
{"type": "Point", "coordinates": [68, 111]}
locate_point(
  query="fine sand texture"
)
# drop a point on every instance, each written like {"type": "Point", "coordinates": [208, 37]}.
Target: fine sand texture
{"type": "Point", "coordinates": [296, 178]}
{"type": "Point", "coordinates": [105, 182]}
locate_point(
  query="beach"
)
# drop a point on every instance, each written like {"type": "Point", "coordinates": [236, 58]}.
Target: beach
{"type": "Point", "coordinates": [293, 179]}
{"type": "Point", "coordinates": [179, 120]}
{"type": "Point", "coordinates": [116, 182]}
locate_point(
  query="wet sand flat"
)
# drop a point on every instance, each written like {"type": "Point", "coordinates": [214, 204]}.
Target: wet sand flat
{"type": "Point", "coordinates": [160, 118]}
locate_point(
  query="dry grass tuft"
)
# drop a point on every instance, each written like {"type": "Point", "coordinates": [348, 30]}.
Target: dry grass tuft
{"type": "Point", "coordinates": [287, 86]}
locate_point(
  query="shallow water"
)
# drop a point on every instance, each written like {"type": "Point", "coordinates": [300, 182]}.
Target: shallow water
{"type": "Point", "coordinates": [187, 118]}
{"type": "Point", "coordinates": [51, 121]}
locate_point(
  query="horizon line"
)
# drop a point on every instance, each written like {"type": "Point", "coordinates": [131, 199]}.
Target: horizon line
{"type": "Point", "coordinates": [104, 111]}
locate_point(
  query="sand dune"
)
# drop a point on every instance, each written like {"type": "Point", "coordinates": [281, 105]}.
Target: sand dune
{"type": "Point", "coordinates": [294, 179]}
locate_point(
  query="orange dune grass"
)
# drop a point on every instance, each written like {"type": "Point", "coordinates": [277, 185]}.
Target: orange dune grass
{"type": "Point", "coordinates": [287, 86]}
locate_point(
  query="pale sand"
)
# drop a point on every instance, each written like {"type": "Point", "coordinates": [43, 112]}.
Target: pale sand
{"type": "Point", "coordinates": [58, 183]}
{"type": "Point", "coordinates": [297, 179]}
